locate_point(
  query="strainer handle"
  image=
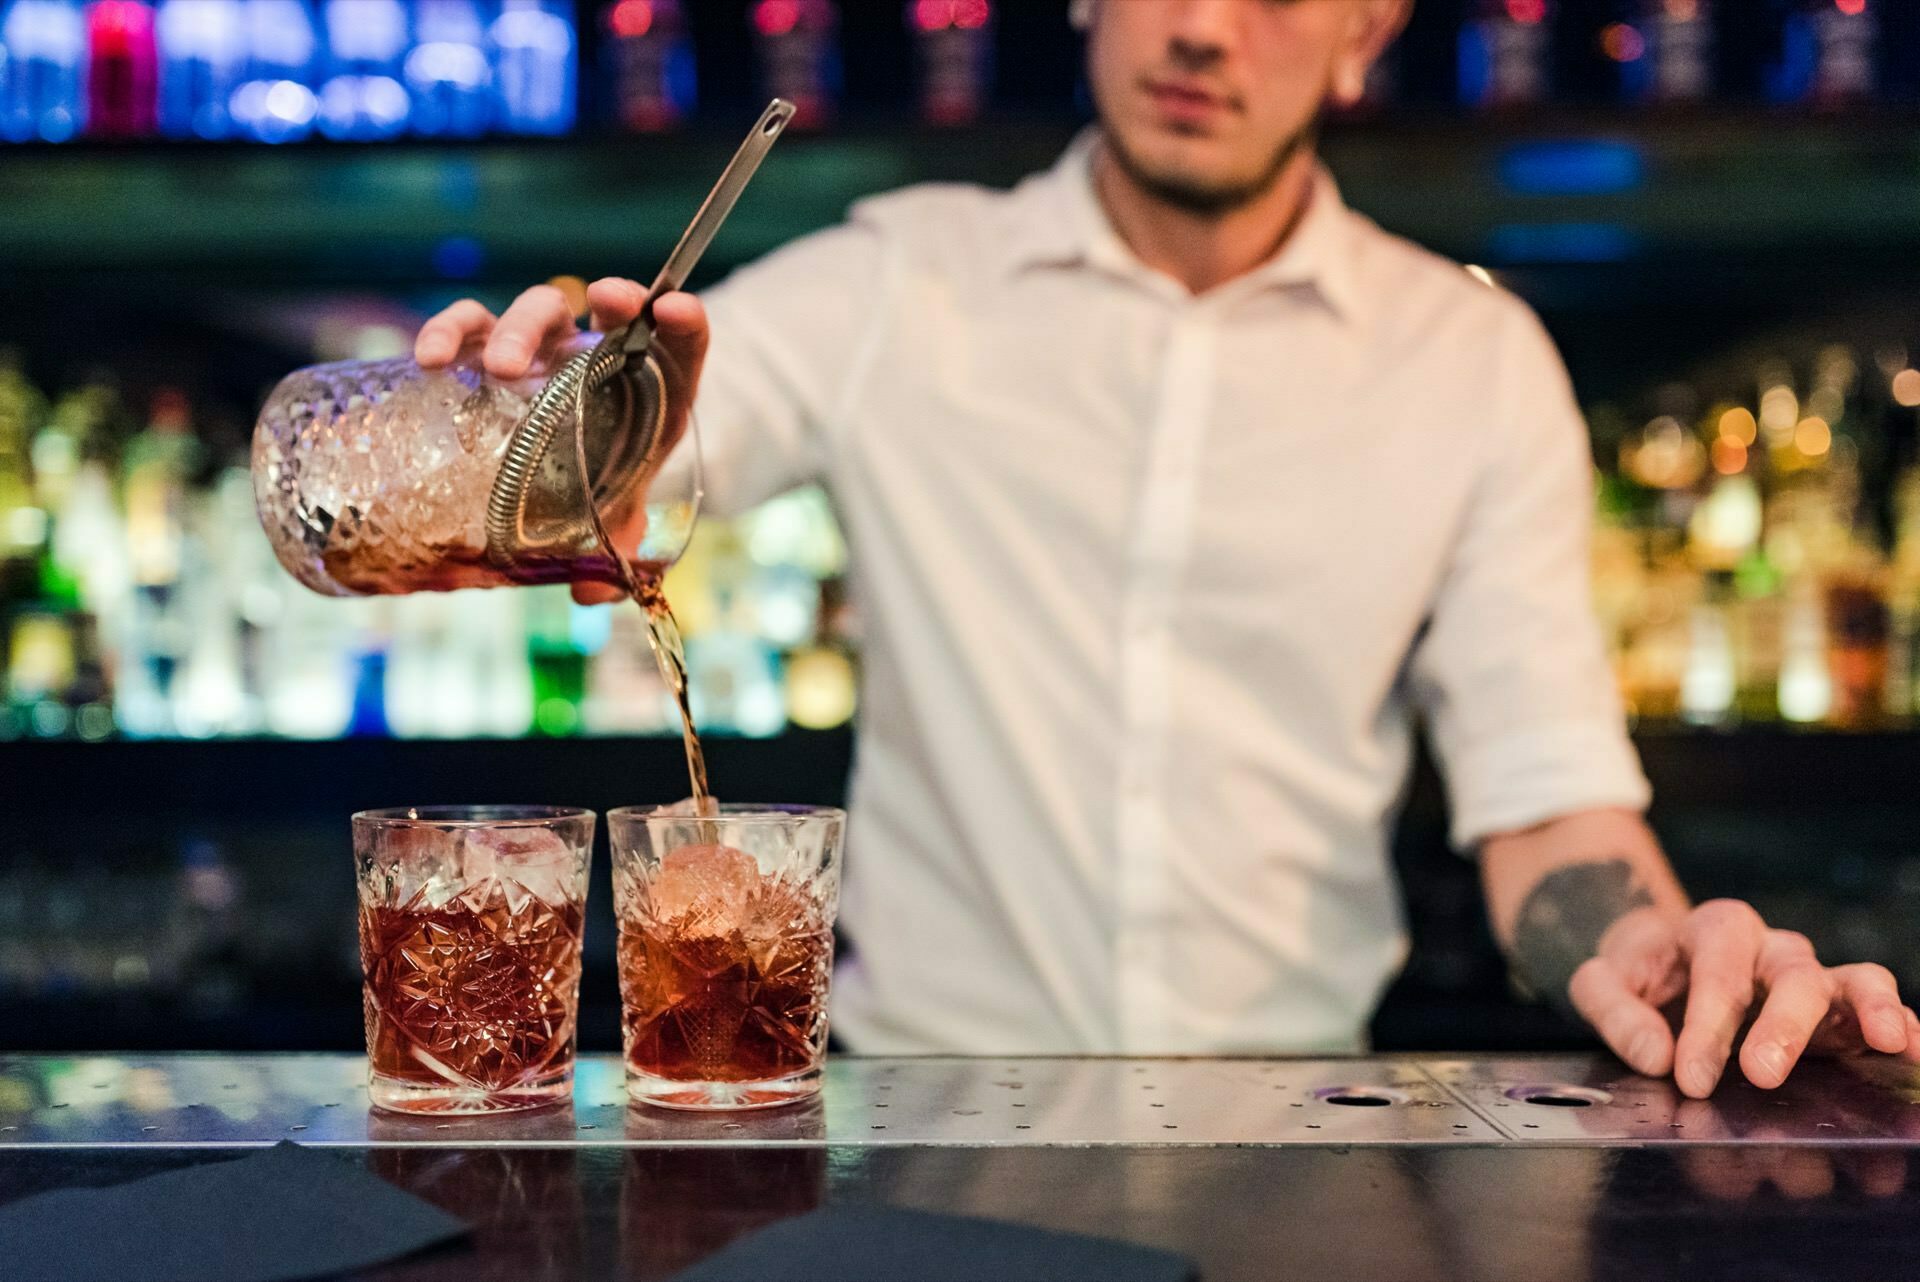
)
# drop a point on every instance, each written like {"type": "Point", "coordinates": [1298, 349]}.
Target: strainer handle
{"type": "Point", "coordinates": [700, 232]}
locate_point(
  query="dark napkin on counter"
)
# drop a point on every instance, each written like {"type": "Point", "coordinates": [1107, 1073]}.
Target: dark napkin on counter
{"type": "Point", "coordinates": [283, 1214]}
{"type": "Point", "coordinates": [888, 1244]}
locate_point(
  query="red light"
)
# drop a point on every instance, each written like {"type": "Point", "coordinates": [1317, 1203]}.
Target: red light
{"type": "Point", "coordinates": [1527, 12]}
{"type": "Point", "coordinates": [939, 15]}
{"type": "Point", "coordinates": [117, 25]}
{"type": "Point", "coordinates": [631, 19]}
{"type": "Point", "coordinates": [1852, 8]}
{"type": "Point", "coordinates": [777, 17]}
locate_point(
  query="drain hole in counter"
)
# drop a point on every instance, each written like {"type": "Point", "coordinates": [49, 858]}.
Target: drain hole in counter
{"type": "Point", "coordinates": [1360, 1096]}
{"type": "Point", "coordinates": [1560, 1095]}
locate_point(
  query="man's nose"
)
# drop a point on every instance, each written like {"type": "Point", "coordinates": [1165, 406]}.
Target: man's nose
{"type": "Point", "coordinates": [1200, 30]}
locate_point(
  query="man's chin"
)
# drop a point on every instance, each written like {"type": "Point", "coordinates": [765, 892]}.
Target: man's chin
{"type": "Point", "coordinates": [1189, 175]}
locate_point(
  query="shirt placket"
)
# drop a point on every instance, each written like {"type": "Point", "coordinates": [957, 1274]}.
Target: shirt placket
{"type": "Point", "coordinates": [1157, 556]}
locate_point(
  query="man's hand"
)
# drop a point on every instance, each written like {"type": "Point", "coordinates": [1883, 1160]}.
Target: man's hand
{"type": "Point", "coordinates": [1668, 986]}
{"type": "Point", "coordinates": [537, 333]}
{"type": "Point", "coordinates": [1716, 968]}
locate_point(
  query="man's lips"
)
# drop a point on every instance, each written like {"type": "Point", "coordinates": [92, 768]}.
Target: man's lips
{"type": "Point", "coordinates": [1186, 104]}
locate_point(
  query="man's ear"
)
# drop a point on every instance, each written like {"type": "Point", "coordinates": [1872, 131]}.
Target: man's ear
{"type": "Point", "coordinates": [1080, 14]}
{"type": "Point", "coordinates": [1375, 24]}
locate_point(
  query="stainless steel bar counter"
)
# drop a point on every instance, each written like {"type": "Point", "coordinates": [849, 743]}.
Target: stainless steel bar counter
{"type": "Point", "coordinates": [1381, 1168]}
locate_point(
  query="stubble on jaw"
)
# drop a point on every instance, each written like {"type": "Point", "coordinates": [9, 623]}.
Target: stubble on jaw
{"type": "Point", "coordinates": [1211, 200]}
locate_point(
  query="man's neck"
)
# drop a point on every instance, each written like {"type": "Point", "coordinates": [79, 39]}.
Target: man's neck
{"type": "Point", "coordinates": [1203, 250]}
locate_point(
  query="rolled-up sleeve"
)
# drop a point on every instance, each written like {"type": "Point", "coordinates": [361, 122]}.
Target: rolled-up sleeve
{"type": "Point", "coordinates": [1511, 672]}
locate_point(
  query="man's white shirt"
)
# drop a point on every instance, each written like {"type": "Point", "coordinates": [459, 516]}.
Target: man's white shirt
{"type": "Point", "coordinates": [1151, 586]}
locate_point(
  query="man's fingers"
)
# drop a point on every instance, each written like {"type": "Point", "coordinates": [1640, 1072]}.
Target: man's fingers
{"type": "Point", "coordinates": [1633, 1029]}
{"type": "Point", "coordinates": [596, 593]}
{"type": "Point", "coordinates": [1723, 941]}
{"type": "Point", "coordinates": [442, 337]}
{"type": "Point", "coordinates": [614, 301]}
{"type": "Point", "coordinates": [1800, 993]}
{"type": "Point", "coordinates": [1874, 997]}
{"type": "Point", "coordinates": [1723, 1174]}
{"type": "Point", "coordinates": [680, 338]}
{"type": "Point", "coordinates": [1876, 1172]}
{"type": "Point", "coordinates": [680, 327]}
{"type": "Point", "coordinates": [1801, 1174]}
{"type": "Point", "coordinates": [528, 330]}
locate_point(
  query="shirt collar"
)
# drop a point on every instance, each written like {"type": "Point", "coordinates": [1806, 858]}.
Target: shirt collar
{"type": "Point", "coordinates": [1066, 226]}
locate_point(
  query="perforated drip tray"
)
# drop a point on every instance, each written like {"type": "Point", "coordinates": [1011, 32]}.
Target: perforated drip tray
{"type": "Point", "coordinates": [225, 1101]}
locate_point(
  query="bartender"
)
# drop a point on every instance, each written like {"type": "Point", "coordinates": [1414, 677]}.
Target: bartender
{"type": "Point", "coordinates": [1176, 490]}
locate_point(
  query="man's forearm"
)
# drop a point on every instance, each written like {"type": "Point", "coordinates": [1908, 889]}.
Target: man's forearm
{"type": "Point", "coordinates": [1555, 889]}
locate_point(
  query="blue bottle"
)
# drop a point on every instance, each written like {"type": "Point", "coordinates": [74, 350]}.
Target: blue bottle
{"type": "Point", "coordinates": [651, 74]}
{"type": "Point", "coordinates": [43, 50]}
{"type": "Point", "coordinates": [276, 102]}
{"type": "Point", "coordinates": [1665, 52]}
{"type": "Point", "coordinates": [447, 71]}
{"type": "Point", "coordinates": [1505, 53]}
{"type": "Point", "coordinates": [1828, 53]}
{"type": "Point", "coordinates": [362, 99]}
{"type": "Point", "coordinates": [203, 59]}
{"type": "Point", "coordinates": [535, 63]}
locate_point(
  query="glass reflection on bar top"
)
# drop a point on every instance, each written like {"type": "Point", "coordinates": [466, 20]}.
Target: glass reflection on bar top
{"type": "Point", "coordinates": [1757, 560]}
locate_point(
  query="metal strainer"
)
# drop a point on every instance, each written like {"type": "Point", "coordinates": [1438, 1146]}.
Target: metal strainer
{"type": "Point", "coordinates": [546, 503]}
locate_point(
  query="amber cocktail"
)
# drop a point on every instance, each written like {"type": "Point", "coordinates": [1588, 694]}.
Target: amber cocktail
{"type": "Point", "coordinates": [726, 947]}
{"type": "Point", "coordinates": [470, 924]}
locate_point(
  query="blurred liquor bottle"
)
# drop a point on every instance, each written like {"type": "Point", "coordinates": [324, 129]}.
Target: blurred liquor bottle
{"type": "Point", "coordinates": [447, 72]}
{"type": "Point", "coordinates": [1828, 53]}
{"type": "Point", "coordinates": [1903, 600]}
{"type": "Point", "coordinates": [43, 57]}
{"type": "Point", "coordinates": [1505, 53]}
{"type": "Point", "coordinates": [624, 692]}
{"type": "Point", "coordinates": [1859, 648]}
{"type": "Point", "coordinates": [203, 59]}
{"type": "Point", "coordinates": [649, 70]}
{"type": "Point", "coordinates": [954, 39]}
{"type": "Point", "coordinates": [219, 690]}
{"type": "Point", "coordinates": [362, 99]}
{"type": "Point", "coordinates": [157, 472]}
{"type": "Point", "coordinates": [1664, 50]}
{"type": "Point", "coordinates": [561, 640]}
{"type": "Point", "coordinates": [22, 521]}
{"type": "Point", "coordinates": [276, 101]}
{"type": "Point", "coordinates": [1708, 685]}
{"type": "Point", "coordinates": [822, 681]}
{"type": "Point", "coordinates": [123, 69]}
{"type": "Point", "coordinates": [536, 63]}
{"type": "Point", "coordinates": [799, 49]}
{"type": "Point", "coordinates": [734, 675]}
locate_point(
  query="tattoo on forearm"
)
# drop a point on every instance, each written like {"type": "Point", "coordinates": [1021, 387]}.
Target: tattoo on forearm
{"type": "Point", "coordinates": [1561, 922]}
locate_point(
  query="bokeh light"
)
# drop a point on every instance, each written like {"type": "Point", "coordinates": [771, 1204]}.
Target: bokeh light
{"type": "Point", "coordinates": [1906, 387]}
{"type": "Point", "coordinates": [1729, 456]}
{"type": "Point", "coordinates": [1623, 42]}
{"type": "Point", "coordinates": [1813, 437]}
